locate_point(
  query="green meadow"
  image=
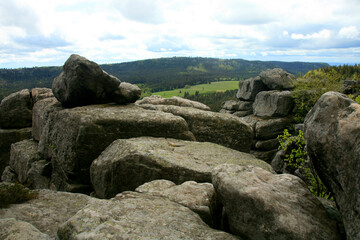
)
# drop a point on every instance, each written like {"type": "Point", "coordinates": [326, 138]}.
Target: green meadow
{"type": "Point", "coordinates": [221, 86]}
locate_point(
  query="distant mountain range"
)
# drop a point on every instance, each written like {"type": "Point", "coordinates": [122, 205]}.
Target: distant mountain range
{"type": "Point", "coordinates": [158, 74]}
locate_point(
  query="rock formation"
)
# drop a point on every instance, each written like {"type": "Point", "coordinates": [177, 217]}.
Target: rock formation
{"type": "Point", "coordinates": [176, 101]}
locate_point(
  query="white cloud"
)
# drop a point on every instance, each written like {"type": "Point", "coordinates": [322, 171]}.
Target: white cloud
{"type": "Point", "coordinates": [349, 32]}
{"type": "Point", "coordinates": [323, 34]}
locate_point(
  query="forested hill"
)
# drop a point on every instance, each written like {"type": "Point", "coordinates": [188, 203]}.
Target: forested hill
{"type": "Point", "coordinates": [157, 74]}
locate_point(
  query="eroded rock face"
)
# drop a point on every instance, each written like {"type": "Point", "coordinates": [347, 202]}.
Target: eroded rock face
{"type": "Point", "coordinates": [249, 88]}
{"type": "Point", "coordinates": [262, 205]}
{"type": "Point", "coordinates": [273, 104]}
{"type": "Point", "coordinates": [132, 215]}
{"type": "Point", "coordinates": [278, 79]}
{"type": "Point", "coordinates": [73, 138]}
{"type": "Point", "coordinates": [38, 94]}
{"type": "Point", "coordinates": [176, 101]}
{"type": "Point", "coordinates": [332, 134]}
{"type": "Point", "coordinates": [15, 110]}
{"type": "Point", "coordinates": [10, 228]}
{"type": "Point", "coordinates": [129, 163]}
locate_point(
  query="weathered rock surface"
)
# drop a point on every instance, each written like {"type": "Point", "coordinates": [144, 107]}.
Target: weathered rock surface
{"type": "Point", "coordinates": [176, 101]}
{"type": "Point", "coordinates": [132, 215]}
{"type": "Point", "coordinates": [38, 176]}
{"type": "Point", "coordinates": [9, 175]}
{"type": "Point", "coordinates": [249, 88]}
{"type": "Point", "coordinates": [267, 145]}
{"type": "Point", "coordinates": [8, 137]}
{"type": "Point", "coordinates": [73, 138]}
{"type": "Point", "coordinates": [220, 128]}
{"type": "Point", "coordinates": [83, 82]}
{"type": "Point", "coordinates": [273, 104]}
{"type": "Point", "coordinates": [278, 79]}
{"type": "Point", "coordinates": [48, 210]}
{"type": "Point", "coordinates": [38, 94]}
{"type": "Point", "coordinates": [199, 197]}
{"type": "Point", "coordinates": [129, 163]}
{"type": "Point", "coordinates": [233, 105]}
{"type": "Point", "coordinates": [332, 133]}
{"type": "Point", "coordinates": [15, 110]}
{"type": "Point", "coordinates": [11, 228]}
{"type": "Point", "coordinates": [266, 156]}
{"type": "Point", "coordinates": [262, 205]}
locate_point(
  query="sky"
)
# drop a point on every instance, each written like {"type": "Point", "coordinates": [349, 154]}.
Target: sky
{"type": "Point", "coordinates": [46, 32]}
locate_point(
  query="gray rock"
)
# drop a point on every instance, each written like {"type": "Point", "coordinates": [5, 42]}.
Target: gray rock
{"type": "Point", "coordinates": [332, 135]}
{"type": "Point", "coordinates": [38, 176]}
{"type": "Point", "coordinates": [243, 113]}
{"type": "Point", "coordinates": [8, 137]}
{"type": "Point", "coordinates": [15, 110]}
{"type": "Point", "coordinates": [11, 228]}
{"type": "Point", "coordinates": [132, 215]}
{"type": "Point", "coordinates": [267, 145]}
{"type": "Point", "coordinates": [83, 82]}
{"type": "Point", "coordinates": [129, 163]}
{"type": "Point", "coordinates": [176, 101]}
{"type": "Point", "coordinates": [48, 210]}
{"type": "Point", "coordinates": [249, 88]}
{"type": "Point", "coordinates": [41, 111]}
{"type": "Point", "coordinates": [38, 94]}
{"type": "Point", "coordinates": [199, 197]}
{"type": "Point", "coordinates": [271, 128]}
{"type": "Point", "coordinates": [9, 175]}
{"type": "Point", "coordinates": [299, 127]}
{"type": "Point", "coordinates": [273, 104]}
{"type": "Point", "coordinates": [233, 105]}
{"type": "Point", "coordinates": [226, 111]}
{"type": "Point", "coordinates": [220, 128]}
{"type": "Point", "coordinates": [262, 205]}
{"type": "Point", "coordinates": [266, 156]}
{"type": "Point", "coordinates": [278, 163]}
{"type": "Point", "coordinates": [73, 138]}
{"type": "Point", "coordinates": [278, 79]}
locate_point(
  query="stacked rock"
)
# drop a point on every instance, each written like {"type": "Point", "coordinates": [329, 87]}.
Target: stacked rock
{"type": "Point", "coordinates": [265, 103]}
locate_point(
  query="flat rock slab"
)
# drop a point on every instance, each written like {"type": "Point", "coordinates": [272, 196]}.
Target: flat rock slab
{"type": "Point", "coordinates": [129, 163]}
{"type": "Point", "coordinates": [262, 205]}
{"type": "Point", "coordinates": [220, 128]}
{"type": "Point", "coordinates": [176, 101]}
{"type": "Point", "coordinates": [132, 215]}
{"type": "Point", "coordinates": [48, 210]}
{"type": "Point", "coordinates": [11, 228]}
{"type": "Point", "coordinates": [73, 138]}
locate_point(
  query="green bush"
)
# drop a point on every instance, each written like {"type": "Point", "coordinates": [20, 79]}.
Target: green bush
{"type": "Point", "coordinates": [14, 193]}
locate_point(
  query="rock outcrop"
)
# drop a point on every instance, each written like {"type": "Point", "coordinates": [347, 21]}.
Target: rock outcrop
{"type": "Point", "coordinates": [273, 104]}
{"type": "Point", "coordinates": [278, 79]}
{"type": "Point", "coordinates": [129, 163]}
{"type": "Point", "coordinates": [11, 228]}
{"type": "Point", "coordinates": [332, 134]}
{"type": "Point", "coordinates": [176, 101]}
{"type": "Point", "coordinates": [262, 205]}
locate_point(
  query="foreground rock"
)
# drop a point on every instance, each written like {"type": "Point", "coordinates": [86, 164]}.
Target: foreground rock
{"type": "Point", "coordinates": [48, 210]}
{"type": "Point", "coordinates": [129, 163]}
{"type": "Point", "coordinates": [262, 205]}
{"type": "Point", "coordinates": [11, 228]}
{"type": "Point", "coordinates": [176, 101]}
{"type": "Point", "coordinates": [74, 137]}
{"type": "Point", "coordinates": [83, 82]}
{"type": "Point", "coordinates": [15, 110]}
{"type": "Point", "coordinates": [220, 128]}
{"type": "Point", "coordinates": [332, 133]}
{"type": "Point", "coordinates": [132, 215]}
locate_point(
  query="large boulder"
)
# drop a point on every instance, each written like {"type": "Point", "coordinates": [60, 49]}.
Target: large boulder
{"type": "Point", "coordinates": [15, 110]}
{"type": "Point", "coordinates": [38, 94]}
{"type": "Point", "coordinates": [278, 79]}
{"type": "Point", "coordinates": [132, 215]}
{"type": "Point", "coordinates": [233, 105]}
{"type": "Point", "coordinates": [8, 137]}
{"type": "Point", "coordinates": [176, 101]}
{"type": "Point", "coordinates": [220, 128]}
{"type": "Point", "coordinates": [83, 82]}
{"type": "Point", "coordinates": [273, 104]}
{"type": "Point", "coordinates": [249, 88]}
{"type": "Point", "coordinates": [332, 135]}
{"type": "Point", "coordinates": [48, 210]}
{"type": "Point", "coordinates": [129, 163]}
{"type": "Point", "coordinates": [262, 205]}
{"type": "Point", "coordinates": [74, 137]}
{"type": "Point", "coordinates": [10, 228]}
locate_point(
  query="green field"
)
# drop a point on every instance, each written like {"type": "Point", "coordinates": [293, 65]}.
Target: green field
{"type": "Point", "coordinates": [221, 86]}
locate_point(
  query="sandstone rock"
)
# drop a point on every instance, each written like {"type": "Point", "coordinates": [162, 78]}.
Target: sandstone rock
{"type": "Point", "coordinates": [48, 210]}
{"type": "Point", "coordinates": [15, 110]}
{"type": "Point", "coordinates": [129, 163]}
{"type": "Point", "coordinates": [220, 128]}
{"type": "Point", "coordinates": [73, 138]}
{"type": "Point", "coordinates": [249, 88]}
{"type": "Point", "coordinates": [271, 128]}
{"type": "Point", "coordinates": [233, 105]}
{"type": "Point", "coordinates": [83, 82]}
{"type": "Point", "coordinates": [199, 197]}
{"type": "Point", "coordinates": [262, 205]}
{"type": "Point", "coordinates": [243, 113]}
{"type": "Point", "coordinates": [8, 137]}
{"type": "Point", "coordinates": [267, 145]}
{"type": "Point", "coordinates": [266, 156]}
{"type": "Point", "coordinates": [9, 175]}
{"type": "Point", "coordinates": [38, 94]}
{"type": "Point", "coordinates": [273, 104]}
{"type": "Point", "coordinates": [11, 228]}
{"type": "Point", "coordinates": [38, 176]}
{"type": "Point", "coordinates": [132, 215]}
{"type": "Point", "coordinates": [127, 93]}
{"type": "Point", "coordinates": [278, 79]}
{"type": "Point", "coordinates": [278, 163]}
{"type": "Point", "coordinates": [332, 135]}
{"type": "Point", "coordinates": [299, 127]}
{"type": "Point", "coordinates": [226, 111]}
{"type": "Point", "coordinates": [176, 101]}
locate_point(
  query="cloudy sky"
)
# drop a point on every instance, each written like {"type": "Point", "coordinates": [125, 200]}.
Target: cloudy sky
{"type": "Point", "coordinates": [46, 32]}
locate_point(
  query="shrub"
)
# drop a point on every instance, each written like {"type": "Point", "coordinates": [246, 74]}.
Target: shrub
{"type": "Point", "coordinates": [14, 193]}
